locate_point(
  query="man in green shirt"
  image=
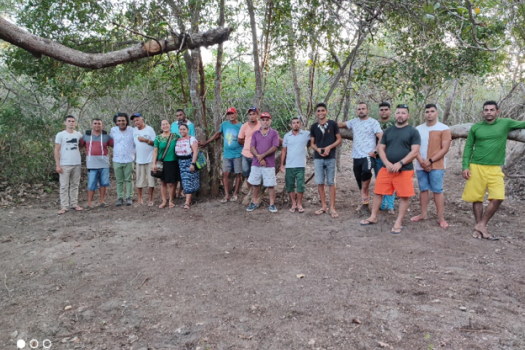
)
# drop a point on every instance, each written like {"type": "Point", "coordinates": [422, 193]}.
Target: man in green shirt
{"type": "Point", "coordinates": [483, 157]}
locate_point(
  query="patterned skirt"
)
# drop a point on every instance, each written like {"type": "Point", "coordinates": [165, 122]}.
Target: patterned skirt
{"type": "Point", "coordinates": [190, 180]}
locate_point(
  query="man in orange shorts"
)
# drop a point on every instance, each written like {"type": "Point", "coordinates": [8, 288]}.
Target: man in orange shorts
{"type": "Point", "coordinates": [399, 146]}
{"type": "Point", "coordinates": [483, 157]}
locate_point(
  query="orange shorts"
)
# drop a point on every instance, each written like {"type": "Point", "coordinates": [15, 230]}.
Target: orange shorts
{"type": "Point", "coordinates": [387, 183]}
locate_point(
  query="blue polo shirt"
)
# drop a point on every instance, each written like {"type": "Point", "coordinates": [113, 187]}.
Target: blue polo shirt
{"type": "Point", "coordinates": [296, 148]}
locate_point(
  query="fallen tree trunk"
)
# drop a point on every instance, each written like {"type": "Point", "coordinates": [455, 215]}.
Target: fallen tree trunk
{"type": "Point", "coordinates": [40, 46]}
{"type": "Point", "coordinates": [459, 131]}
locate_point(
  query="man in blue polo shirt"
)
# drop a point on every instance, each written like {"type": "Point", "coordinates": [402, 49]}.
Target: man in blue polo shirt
{"type": "Point", "coordinates": [231, 159]}
{"type": "Point", "coordinates": [294, 155]}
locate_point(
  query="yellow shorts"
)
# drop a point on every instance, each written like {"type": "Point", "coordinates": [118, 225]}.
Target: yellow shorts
{"type": "Point", "coordinates": [483, 177]}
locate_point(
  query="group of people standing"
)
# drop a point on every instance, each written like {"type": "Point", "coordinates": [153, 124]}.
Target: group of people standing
{"type": "Point", "coordinates": [386, 146]}
{"type": "Point", "coordinates": [176, 145]}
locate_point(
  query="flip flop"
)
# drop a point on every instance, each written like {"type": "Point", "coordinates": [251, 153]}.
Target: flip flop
{"type": "Point", "coordinates": [417, 218]}
{"type": "Point", "coordinates": [300, 210]}
{"type": "Point", "coordinates": [233, 199]}
{"type": "Point", "coordinates": [186, 207]}
{"type": "Point", "coordinates": [163, 205]}
{"type": "Point", "coordinates": [62, 211]}
{"type": "Point", "coordinates": [334, 214]}
{"type": "Point", "coordinates": [320, 211]}
{"type": "Point", "coordinates": [491, 238]}
{"type": "Point", "coordinates": [103, 205]}
{"type": "Point", "coordinates": [396, 230]}
{"type": "Point", "coordinates": [367, 222]}
{"type": "Point", "coordinates": [77, 208]}
{"type": "Point", "coordinates": [224, 200]}
{"type": "Point", "coordinates": [150, 204]}
{"type": "Point", "coordinates": [292, 210]}
{"type": "Point", "coordinates": [476, 234]}
{"type": "Point", "coordinates": [365, 200]}
{"type": "Point", "coordinates": [171, 205]}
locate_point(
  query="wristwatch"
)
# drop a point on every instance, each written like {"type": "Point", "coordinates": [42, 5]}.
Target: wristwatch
{"type": "Point", "coordinates": [401, 162]}
{"type": "Point", "coordinates": [431, 161]}
{"type": "Point", "coordinates": [194, 164]}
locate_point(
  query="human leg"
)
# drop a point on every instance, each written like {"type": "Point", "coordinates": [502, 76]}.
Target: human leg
{"type": "Point", "coordinates": [164, 194]}
{"type": "Point", "coordinates": [128, 179]}
{"type": "Point", "coordinates": [491, 209]}
{"type": "Point", "coordinates": [289, 180]}
{"type": "Point", "coordinates": [104, 184]}
{"type": "Point", "coordinates": [299, 177]}
{"type": "Point", "coordinates": [404, 202]}
{"type": "Point", "coordinates": [367, 165]}
{"type": "Point", "coordinates": [171, 193]}
{"type": "Point", "coordinates": [255, 180]}
{"type": "Point", "coordinates": [65, 178]}
{"type": "Point", "coordinates": [330, 179]}
{"type": "Point", "coordinates": [119, 177]}
{"type": "Point", "coordinates": [74, 182]}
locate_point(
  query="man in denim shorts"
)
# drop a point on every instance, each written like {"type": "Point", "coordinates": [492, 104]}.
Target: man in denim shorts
{"type": "Point", "coordinates": [430, 165]}
{"type": "Point", "coordinates": [231, 158]}
{"type": "Point", "coordinates": [97, 141]}
{"type": "Point", "coordinates": [325, 137]}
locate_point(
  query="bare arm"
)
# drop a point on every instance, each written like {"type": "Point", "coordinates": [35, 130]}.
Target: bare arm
{"type": "Point", "coordinates": [213, 138]}
{"type": "Point", "coordinates": [379, 135]}
{"type": "Point", "coordinates": [342, 125]}
{"type": "Point", "coordinates": [445, 145]}
{"type": "Point", "coordinates": [57, 158]}
{"type": "Point", "coordinates": [283, 158]}
{"type": "Point", "coordinates": [195, 154]}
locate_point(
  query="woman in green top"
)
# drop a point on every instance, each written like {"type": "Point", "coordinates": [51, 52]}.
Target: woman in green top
{"type": "Point", "coordinates": [171, 172]}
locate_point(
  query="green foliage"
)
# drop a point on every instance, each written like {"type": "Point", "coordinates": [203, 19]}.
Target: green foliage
{"type": "Point", "coordinates": [26, 146]}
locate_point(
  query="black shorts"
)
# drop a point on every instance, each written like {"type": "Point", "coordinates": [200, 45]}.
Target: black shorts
{"type": "Point", "coordinates": [171, 172]}
{"type": "Point", "coordinates": [363, 169]}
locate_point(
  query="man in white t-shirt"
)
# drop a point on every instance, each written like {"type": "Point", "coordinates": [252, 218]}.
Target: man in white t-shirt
{"type": "Point", "coordinates": [366, 133]}
{"type": "Point", "coordinates": [430, 165]}
{"type": "Point", "coordinates": [123, 157]}
{"type": "Point", "coordinates": [144, 138]}
{"type": "Point", "coordinates": [68, 161]}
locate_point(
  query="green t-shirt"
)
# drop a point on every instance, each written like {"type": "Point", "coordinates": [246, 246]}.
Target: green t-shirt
{"type": "Point", "coordinates": [486, 143]}
{"type": "Point", "coordinates": [387, 124]}
{"type": "Point", "coordinates": [161, 143]}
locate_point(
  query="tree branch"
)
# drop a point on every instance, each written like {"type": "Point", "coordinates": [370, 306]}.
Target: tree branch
{"type": "Point", "coordinates": [41, 46]}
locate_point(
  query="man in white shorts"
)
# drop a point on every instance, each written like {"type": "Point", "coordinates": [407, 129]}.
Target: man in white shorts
{"type": "Point", "coordinates": [144, 137]}
{"type": "Point", "coordinates": [264, 143]}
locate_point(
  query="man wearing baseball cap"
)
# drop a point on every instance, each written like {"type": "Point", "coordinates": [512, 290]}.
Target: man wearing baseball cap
{"type": "Point", "coordinates": [231, 157]}
{"type": "Point", "coordinates": [264, 143]}
{"type": "Point", "coordinates": [144, 137]}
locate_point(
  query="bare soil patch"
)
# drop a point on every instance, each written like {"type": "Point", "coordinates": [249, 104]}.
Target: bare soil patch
{"type": "Point", "coordinates": [221, 278]}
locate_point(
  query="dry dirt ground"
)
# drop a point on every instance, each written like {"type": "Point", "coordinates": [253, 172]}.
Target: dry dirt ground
{"type": "Point", "coordinates": [219, 277]}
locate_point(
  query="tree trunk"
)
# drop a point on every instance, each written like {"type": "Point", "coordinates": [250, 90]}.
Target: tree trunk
{"type": "Point", "coordinates": [40, 46]}
{"type": "Point", "coordinates": [217, 102]}
{"type": "Point", "coordinates": [450, 99]}
{"type": "Point", "coordinates": [296, 88]}
{"type": "Point", "coordinates": [256, 61]}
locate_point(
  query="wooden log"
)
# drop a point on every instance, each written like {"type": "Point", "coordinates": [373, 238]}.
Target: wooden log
{"type": "Point", "coordinates": [459, 131]}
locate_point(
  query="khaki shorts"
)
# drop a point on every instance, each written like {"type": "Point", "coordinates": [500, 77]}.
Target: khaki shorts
{"type": "Point", "coordinates": [144, 178]}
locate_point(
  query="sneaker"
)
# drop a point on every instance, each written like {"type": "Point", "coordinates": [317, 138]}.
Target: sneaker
{"type": "Point", "coordinates": [272, 208]}
{"type": "Point", "coordinates": [120, 201]}
{"type": "Point", "coordinates": [129, 201]}
{"type": "Point", "coordinates": [252, 207]}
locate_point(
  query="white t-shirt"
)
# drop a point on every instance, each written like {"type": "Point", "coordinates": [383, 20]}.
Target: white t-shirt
{"type": "Point", "coordinates": [144, 151]}
{"type": "Point", "coordinates": [431, 138]}
{"type": "Point", "coordinates": [364, 136]}
{"type": "Point", "coordinates": [123, 144]}
{"type": "Point", "coordinates": [296, 148]}
{"type": "Point", "coordinates": [183, 147]}
{"type": "Point", "coordinates": [69, 150]}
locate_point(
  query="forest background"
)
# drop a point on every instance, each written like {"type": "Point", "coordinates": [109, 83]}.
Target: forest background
{"type": "Point", "coordinates": [283, 56]}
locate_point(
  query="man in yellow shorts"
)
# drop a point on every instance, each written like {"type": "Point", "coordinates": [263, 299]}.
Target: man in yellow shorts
{"type": "Point", "coordinates": [482, 160]}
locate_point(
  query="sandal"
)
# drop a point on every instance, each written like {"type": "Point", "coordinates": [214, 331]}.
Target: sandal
{"type": "Point", "coordinates": [300, 210]}
{"type": "Point", "coordinates": [320, 211]}
{"type": "Point", "coordinates": [186, 207]}
{"type": "Point", "coordinates": [77, 208]}
{"type": "Point", "coordinates": [88, 208]}
{"type": "Point", "coordinates": [171, 205]}
{"type": "Point", "coordinates": [367, 222]}
{"type": "Point", "coordinates": [366, 200]}
{"type": "Point", "coordinates": [103, 205]}
{"type": "Point", "coordinates": [396, 230]}
{"type": "Point", "coordinates": [334, 214]}
{"type": "Point", "coordinates": [62, 211]}
{"type": "Point", "coordinates": [233, 199]}
{"type": "Point", "coordinates": [224, 200]}
{"type": "Point", "coordinates": [292, 210]}
{"type": "Point", "coordinates": [163, 205]}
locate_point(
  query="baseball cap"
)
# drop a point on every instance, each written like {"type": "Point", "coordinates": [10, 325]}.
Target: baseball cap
{"type": "Point", "coordinates": [135, 115]}
{"type": "Point", "coordinates": [253, 109]}
{"type": "Point", "coordinates": [266, 115]}
{"type": "Point", "coordinates": [231, 110]}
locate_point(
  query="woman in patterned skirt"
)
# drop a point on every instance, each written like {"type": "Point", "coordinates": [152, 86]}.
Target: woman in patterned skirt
{"type": "Point", "coordinates": [187, 150]}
